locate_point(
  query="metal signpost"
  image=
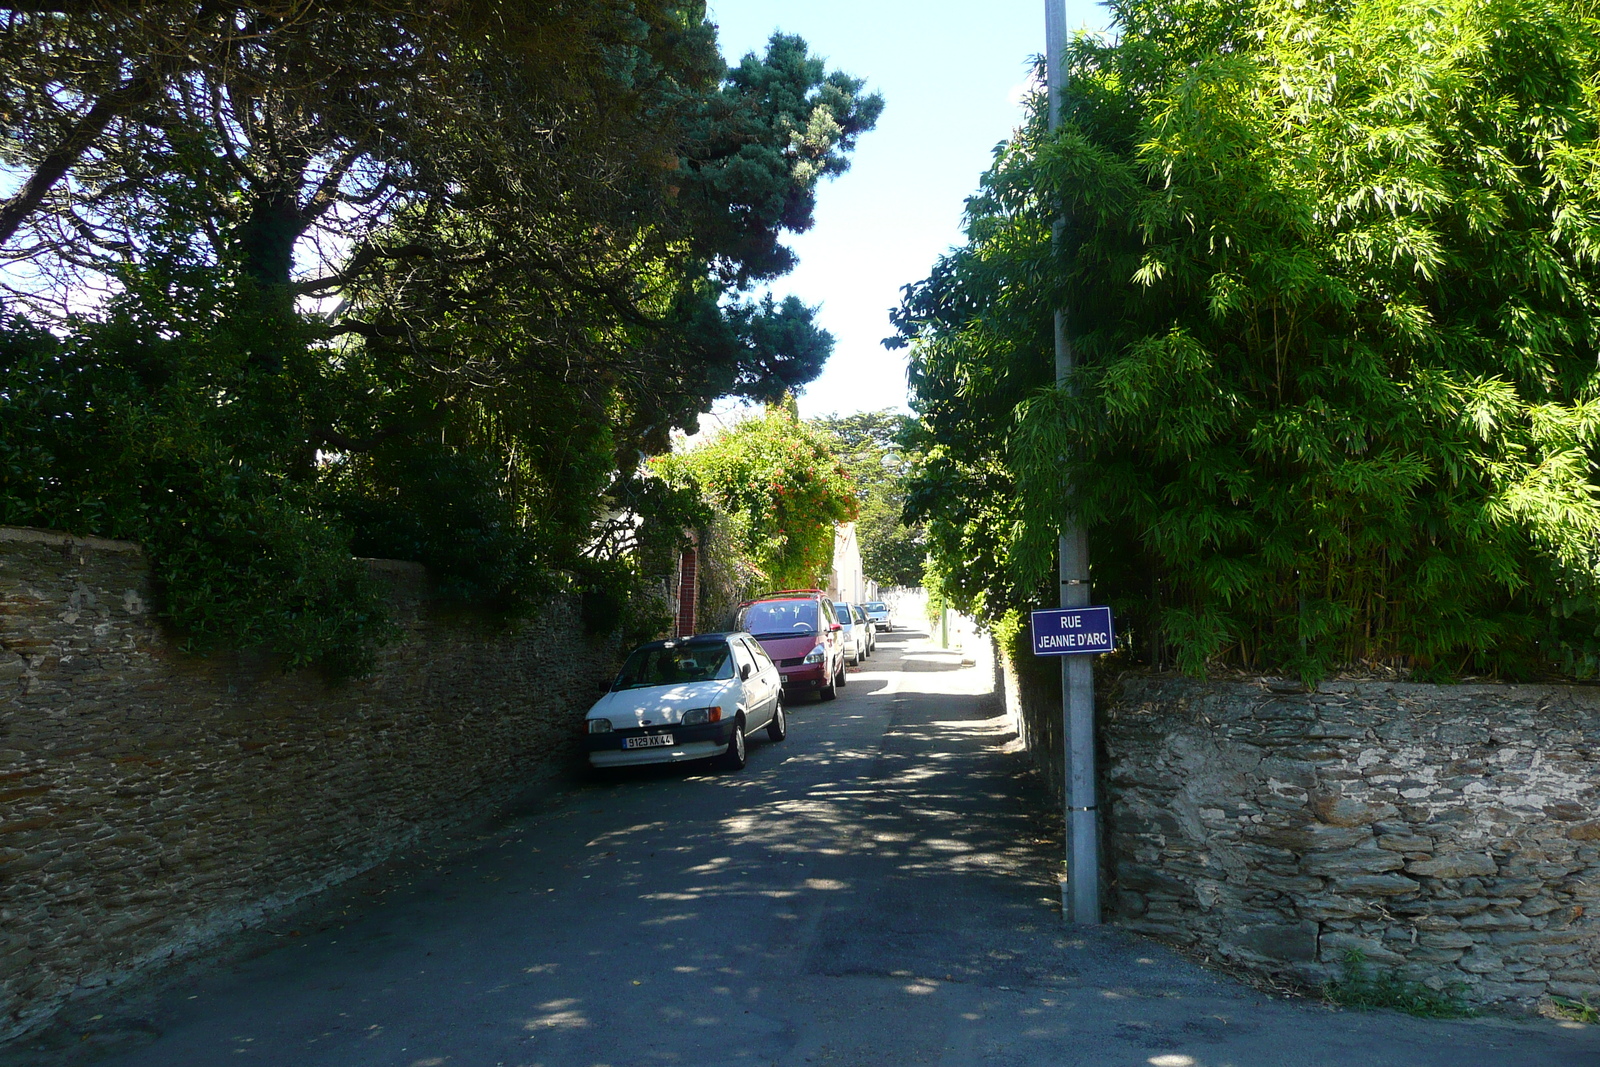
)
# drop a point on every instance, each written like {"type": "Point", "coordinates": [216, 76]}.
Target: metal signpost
{"type": "Point", "coordinates": [1075, 634]}
{"type": "Point", "coordinates": [1080, 890]}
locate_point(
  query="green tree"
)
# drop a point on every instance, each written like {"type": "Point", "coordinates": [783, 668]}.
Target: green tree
{"type": "Point", "coordinates": [1330, 273]}
{"type": "Point", "coordinates": [869, 447]}
{"type": "Point", "coordinates": [530, 234]}
{"type": "Point", "coordinates": [781, 488]}
{"type": "Point", "coordinates": [153, 423]}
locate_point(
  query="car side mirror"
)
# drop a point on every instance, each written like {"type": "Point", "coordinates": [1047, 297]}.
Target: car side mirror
{"type": "Point", "coordinates": [744, 671]}
{"type": "Point", "coordinates": [836, 627]}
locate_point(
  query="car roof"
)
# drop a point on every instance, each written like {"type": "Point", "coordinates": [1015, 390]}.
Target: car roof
{"type": "Point", "coordinates": [693, 639]}
{"type": "Point", "coordinates": [792, 594]}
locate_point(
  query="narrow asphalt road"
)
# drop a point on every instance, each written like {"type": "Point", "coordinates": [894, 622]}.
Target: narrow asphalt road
{"type": "Point", "coordinates": [873, 890]}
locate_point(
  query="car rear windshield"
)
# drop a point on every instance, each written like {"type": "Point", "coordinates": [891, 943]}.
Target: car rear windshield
{"type": "Point", "coordinates": [675, 666]}
{"type": "Point", "coordinates": [778, 618]}
{"type": "Point", "coordinates": [877, 605]}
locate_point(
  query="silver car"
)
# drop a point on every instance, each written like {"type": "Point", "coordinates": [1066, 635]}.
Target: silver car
{"type": "Point", "coordinates": [878, 614]}
{"type": "Point", "coordinates": [856, 631]}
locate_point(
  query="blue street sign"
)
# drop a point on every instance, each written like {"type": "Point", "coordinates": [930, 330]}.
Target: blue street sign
{"type": "Point", "coordinates": [1072, 631]}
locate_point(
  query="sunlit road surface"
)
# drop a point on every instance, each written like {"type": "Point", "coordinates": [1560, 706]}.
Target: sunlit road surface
{"type": "Point", "coordinates": [875, 890]}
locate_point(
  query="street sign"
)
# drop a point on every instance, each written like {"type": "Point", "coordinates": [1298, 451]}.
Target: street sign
{"type": "Point", "coordinates": [1072, 632]}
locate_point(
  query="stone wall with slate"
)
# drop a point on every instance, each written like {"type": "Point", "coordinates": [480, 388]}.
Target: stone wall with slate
{"type": "Point", "coordinates": [151, 802]}
{"type": "Point", "coordinates": [1449, 833]}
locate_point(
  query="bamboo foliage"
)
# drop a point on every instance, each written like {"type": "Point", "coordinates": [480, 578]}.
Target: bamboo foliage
{"type": "Point", "coordinates": [1330, 273]}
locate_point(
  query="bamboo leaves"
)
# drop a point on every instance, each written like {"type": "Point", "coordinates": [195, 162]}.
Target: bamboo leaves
{"type": "Point", "coordinates": [1330, 274]}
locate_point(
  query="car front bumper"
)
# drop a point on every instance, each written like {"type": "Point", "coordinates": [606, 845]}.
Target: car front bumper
{"type": "Point", "coordinates": [689, 743]}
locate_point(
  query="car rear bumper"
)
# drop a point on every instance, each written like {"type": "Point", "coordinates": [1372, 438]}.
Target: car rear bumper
{"type": "Point", "coordinates": [810, 676]}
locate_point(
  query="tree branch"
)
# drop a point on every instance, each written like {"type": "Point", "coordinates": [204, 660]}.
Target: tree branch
{"type": "Point", "coordinates": [368, 254]}
{"type": "Point", "coordinates": [327, 193]}
{"type": "Point", "coordinates": [55, 164]}
{"type": "Point", "coordinates": [329, 436]}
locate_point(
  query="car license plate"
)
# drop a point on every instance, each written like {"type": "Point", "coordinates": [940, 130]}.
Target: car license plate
{"type": "Point", "coordinates": [648, 741]}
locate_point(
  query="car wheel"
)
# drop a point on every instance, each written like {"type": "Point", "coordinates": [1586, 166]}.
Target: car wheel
{"type": "Point", "coordinates": [778, 728]}
{"type": "Point", "coordinates": [734, 758]}
{"type": "Point", "coordinates": [840, 678]}
{"type": "Point", "coordinates": [827, 692]}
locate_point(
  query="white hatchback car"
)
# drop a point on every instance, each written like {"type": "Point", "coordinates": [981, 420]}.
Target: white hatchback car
{"type": "Point", "coordinates": [687, 699]}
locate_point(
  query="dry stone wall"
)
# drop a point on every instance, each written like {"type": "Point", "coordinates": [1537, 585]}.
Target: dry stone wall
{"type": "Point", "coordinates": [1448, 833]}
{"type": "Point", "coordinates": [151, 802]}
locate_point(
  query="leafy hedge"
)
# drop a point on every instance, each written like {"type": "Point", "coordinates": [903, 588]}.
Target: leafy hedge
{"type": "Point", "coordinates": [170, 421]}
{"type": "Point", "coordinates": [1330, 273]}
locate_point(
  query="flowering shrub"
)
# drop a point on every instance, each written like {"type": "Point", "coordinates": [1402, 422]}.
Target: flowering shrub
{"type": "Point", "coordinates": [781, 489]}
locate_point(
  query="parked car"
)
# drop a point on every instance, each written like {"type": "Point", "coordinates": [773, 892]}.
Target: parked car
{"type": "Point", "coordinates": [866, 627]}
{"type": "Point", "coordinates": [878, 612]}
{"type": "Point", "coordinates": [855, 631]}
{"type": "Point", "coordinates": [693, 698]}
{"type": "Point", "coordinates": [803, 635]}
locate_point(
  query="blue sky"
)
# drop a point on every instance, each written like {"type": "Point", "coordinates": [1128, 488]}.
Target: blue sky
{"type": "Point", "coordinates": [951, 75]}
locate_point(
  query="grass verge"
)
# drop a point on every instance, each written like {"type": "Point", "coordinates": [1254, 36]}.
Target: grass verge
{"type": "Point", "coordinates": [1363, 989]}
{"type": "Point", "coordinates": [1580, 1011]}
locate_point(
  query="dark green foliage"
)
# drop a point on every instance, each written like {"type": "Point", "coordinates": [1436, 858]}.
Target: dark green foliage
{"type": "Point", "coordinates": [781, 124]}
{"type": "Point", "coordinates": [1329, 270]}
{"type": "Point", "coordinates": [402, 280]}
{"type": "Point", "coordinates": [443, 507]}
{"type": "Point", "coordinates": [156, 424]}
{"type": "Point", "coordinates": [1360, 988]}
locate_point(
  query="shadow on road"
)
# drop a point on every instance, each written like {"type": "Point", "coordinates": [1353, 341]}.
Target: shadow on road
{"type": "Point", "coordinates": [877, 889]}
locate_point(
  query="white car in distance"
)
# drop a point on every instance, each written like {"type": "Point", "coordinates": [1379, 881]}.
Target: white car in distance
{"type": "Point", "coordinates": [687, 699]}
{"type": "Point", "coordinates": [857, 632]}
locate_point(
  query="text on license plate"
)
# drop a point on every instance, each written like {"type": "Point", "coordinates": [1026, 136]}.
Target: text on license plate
{"type": "Point", "coordinates": [649, 741]}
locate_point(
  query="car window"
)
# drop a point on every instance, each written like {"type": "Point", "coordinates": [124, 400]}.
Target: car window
{"type": "Point", "coordinates": [675, 666]}
{"type": "Point", "coordinates": [762, 659]}
{"type": "Point", "coordinates": [827, 610]}
{"type": "Point", "coordinates": [778, 618]}
{"type": "Point", "coordinates": [842, 611]}
{"type": "Point", "coordinates": [742, 657]}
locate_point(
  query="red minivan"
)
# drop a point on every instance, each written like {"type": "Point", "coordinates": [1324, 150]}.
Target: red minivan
{"type": "Point", "coordinates": [800, 632]}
